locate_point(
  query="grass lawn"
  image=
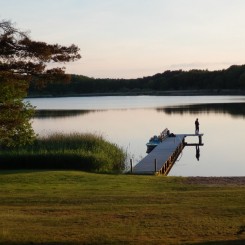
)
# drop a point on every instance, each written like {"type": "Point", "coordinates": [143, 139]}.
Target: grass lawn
{"type": "Point", "coordinates": [72, 207]}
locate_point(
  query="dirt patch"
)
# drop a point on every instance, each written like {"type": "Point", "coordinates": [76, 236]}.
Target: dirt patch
{"type": "Point", "coordinates": [219, 181]}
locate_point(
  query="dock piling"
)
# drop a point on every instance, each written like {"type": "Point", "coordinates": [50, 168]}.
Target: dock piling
{"type": "Point", "coordinates": [155, 162]}
{"type": "Point", "coordinates": [131, 165]}
{"type": "Point", "coordinates": [200, 139]}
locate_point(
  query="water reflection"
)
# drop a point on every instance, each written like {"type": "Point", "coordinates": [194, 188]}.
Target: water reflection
{"type": "Point", "coordinates": [60, 113]}
{"type": "Point", "coordinates": [197, 152]}
{"type": "Point", "coordinates": [233, 109]}
{"type": "Point", "coordinates": [222, 122]}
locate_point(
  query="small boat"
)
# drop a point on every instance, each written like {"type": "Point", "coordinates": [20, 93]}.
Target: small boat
{"type": "Point", "coordinates": [153, 142]}
{"type": "Point", "coordinates": [156, 140]}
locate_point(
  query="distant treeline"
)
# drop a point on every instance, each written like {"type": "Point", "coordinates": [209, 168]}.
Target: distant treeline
{"type": "Point", "coordinates": [232, 78]}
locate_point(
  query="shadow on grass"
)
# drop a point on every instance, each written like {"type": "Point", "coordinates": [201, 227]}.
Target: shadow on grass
{"type": "Point", "coordinates": [64, 243]}
{"type": "Point", "coordinates": [232, 242]}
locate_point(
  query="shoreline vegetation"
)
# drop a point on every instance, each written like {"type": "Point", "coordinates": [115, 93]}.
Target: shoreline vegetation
{"type": "Point", "coordinates": [146, 93]}
{"type": "Point", "coordinates": [230, 81]}
{"type": "Point", "coordinates": [86, 152]}
{"type": "Point", "coordinates": [74, 207]}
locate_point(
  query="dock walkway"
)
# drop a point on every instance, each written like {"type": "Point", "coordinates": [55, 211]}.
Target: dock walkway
{"type": "Point", "coordinates": [161, 159]}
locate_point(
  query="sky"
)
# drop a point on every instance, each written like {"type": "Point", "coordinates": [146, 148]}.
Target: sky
{"type": "Point", "coordinates": [136, 38]}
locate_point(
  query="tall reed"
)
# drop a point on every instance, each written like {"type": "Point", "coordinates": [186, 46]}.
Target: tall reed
{"type": "Point", "coordinates": [88, 152]}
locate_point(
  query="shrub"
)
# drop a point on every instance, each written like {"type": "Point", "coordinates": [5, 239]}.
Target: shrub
{"type": "Point", "coordinates": [87, 152]}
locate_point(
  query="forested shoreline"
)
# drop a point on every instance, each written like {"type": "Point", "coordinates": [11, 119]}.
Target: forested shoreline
{"type": "Point", "coordinates": [227, 81]}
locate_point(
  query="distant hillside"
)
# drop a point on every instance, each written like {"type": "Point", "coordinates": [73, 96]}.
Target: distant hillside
{"type": "Point", "coordinates": [232, 78]}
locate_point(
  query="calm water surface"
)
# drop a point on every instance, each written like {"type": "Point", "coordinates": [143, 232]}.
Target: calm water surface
{"type": "Point", "coordinates": [129, 121]}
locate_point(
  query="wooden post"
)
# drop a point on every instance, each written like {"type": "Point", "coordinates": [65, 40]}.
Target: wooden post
{"type": "Point", "coordinates": [155, 162]}
{"type": "Point", "coordinates": [200, 139]}
{"type": "Point", "coordinates": [131, 165]}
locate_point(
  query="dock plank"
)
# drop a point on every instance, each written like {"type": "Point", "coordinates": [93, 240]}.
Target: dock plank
{"type": "Point", "coordinates": [161, 153]}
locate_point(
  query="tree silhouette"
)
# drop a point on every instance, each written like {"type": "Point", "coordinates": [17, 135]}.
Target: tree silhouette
{"type": "Point", "coordinates": [23, 60]}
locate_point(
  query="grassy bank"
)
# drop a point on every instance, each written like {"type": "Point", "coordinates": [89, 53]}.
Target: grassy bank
{"type": "Point", "coordinates": [60, 207]}
{"type": "Point", "coordinates": [86, 152]}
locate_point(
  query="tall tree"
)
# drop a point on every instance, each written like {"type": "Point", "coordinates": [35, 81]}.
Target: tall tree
{"type": "Point", "coordinates": [23, 60]}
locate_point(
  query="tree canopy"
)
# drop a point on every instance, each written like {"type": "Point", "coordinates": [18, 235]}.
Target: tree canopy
{"type": "Point", "coordinates": [232, 78]}
{"type": "Point", "coordinates": [23, 60]}
{"type": "Point", "coordinates": [21, 55]}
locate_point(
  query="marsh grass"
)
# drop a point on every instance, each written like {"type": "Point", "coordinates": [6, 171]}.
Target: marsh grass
{"type": "Point", "coordinates": [74, 207]}
{"type": "Point", "coordinates": [88, 152]}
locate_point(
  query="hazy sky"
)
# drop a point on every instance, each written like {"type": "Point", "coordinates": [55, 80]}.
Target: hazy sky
{"type": "Point", "coordinates": [136, 38]}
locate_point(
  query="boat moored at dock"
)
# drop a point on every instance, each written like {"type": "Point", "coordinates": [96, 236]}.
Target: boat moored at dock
{"type": "Point", "coordinates": [163, 151]}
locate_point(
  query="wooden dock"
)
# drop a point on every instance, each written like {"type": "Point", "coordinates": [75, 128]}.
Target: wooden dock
{"type": "Point", "coordinates": [162, 158]}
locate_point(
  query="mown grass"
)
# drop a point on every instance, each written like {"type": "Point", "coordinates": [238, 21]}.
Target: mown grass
{"type": "Point", "coordinates": [88, 152]}
{"type": "Point", "coordinates": [73, 207]}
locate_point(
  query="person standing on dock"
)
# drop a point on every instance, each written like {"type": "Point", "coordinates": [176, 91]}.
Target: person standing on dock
{"type": "Point", "coordinates": [197, 126]}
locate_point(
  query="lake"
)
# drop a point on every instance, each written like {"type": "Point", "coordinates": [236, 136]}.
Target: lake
{"type": "Point", "coordinates": [129, 121]}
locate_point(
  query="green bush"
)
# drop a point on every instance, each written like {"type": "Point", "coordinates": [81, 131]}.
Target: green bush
{"type": "Point", "coordinates": [87, 152]}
